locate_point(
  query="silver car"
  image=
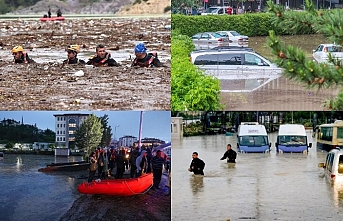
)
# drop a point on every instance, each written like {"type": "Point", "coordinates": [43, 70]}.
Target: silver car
{"type": "Point", "coordinates": [235, 37]}
{"type": "Point", "coordinates": [208, 40]}
{"type": "Point", "coordinates": [238, 69]}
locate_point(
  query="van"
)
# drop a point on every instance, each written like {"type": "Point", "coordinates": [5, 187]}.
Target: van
{"type": "Point", "coordinates": [292, 138]}
{"type": "Point", "coordinates": [333, 166]}
{"type": "Point", "coordinates": [252, 137]}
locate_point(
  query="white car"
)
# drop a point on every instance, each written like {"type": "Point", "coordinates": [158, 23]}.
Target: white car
{"type": "Point", "coordinates": [239, 69]}
{"type": "Point", "coordinates": [215, 10]}
{"type": "Point", "coordinates": [333, 166]}
{"type": "Point", "coordinates": [322, 52]}
{"type": "Point", "coordinates": [235, 37]}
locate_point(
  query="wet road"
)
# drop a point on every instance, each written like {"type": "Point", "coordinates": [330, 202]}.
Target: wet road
{"type": "Point", "coordinates": [260, 186]}
{"type": "Point", "coordinates": [27, 194]}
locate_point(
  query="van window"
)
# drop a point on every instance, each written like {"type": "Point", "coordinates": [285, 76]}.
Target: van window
{"type": "Point", "coordinates": [229, 59]}
{"type": "Point", "coordinates": [251, 59]}
{"type": "Point", "coordinates": [206, 59]}
{"type": "Point", "coordinates": [329, 161]}
{"type": "Point", "coordinates": [326, 133]}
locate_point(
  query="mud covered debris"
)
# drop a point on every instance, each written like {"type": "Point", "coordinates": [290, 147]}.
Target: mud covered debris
{"type": "Point", "coordinates": [48, 85]}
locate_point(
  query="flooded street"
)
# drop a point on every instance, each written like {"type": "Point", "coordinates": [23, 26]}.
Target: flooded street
{"type": "Point", "coordinates": [272, 186]}
{"type": "Point", "coordinates": [27, 194]}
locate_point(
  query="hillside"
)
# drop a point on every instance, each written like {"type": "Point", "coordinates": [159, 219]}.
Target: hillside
{"type": "Point", "coordinates": [119, 7]}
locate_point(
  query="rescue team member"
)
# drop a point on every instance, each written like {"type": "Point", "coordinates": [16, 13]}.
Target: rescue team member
{"type": "Point", "coordinates": [144, 59]}
{"type": "Point", "coordinates": [101, 58]}
{"type": "Point", "coordinates": [20, 56]}
{"type": "Point", "coordinates": [197, 165]}
{"type": "Point", "coordinates": [230, 155]}
{"type": "Point", "coordinates": [72, 51]}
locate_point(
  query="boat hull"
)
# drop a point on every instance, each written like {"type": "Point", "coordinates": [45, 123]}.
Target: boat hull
{"type": "Point", "coordinates": [118, 187]}
{"type": "Point", "coordinates": [67, 167]}
{"type": "Point", "coordinates": [52, 19]}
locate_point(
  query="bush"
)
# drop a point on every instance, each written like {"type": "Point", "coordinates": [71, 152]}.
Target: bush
{"type": "Point", "coordinates": [255, 24]}
{"type": "Point", "coordinates": [191, 89]}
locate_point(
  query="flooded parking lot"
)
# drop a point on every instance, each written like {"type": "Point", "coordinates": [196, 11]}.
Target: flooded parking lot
{"type": "Point", "coordinates": [271, 186]}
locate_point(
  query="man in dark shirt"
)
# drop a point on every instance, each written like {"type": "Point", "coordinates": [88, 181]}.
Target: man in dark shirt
{"type": "Point", "coordinates": [157, 167]}
{"type": "Point", "coordinates": [49, 13]}
{"type": "Point", "coordinates": [230, 155]}
{"type": "Point", "coordinates": [197, 165]}
{"type": "Point", "coordinates": [20, 56]}
{"type": "Point", "coordinates": [101, 58]}
{"type": "Point", "coordinates": [144, 59]}
{"type": "Point", "coordinates": [72, 51]}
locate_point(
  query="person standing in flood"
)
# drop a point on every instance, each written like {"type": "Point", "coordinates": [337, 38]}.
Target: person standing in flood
{"type": "Point", "coordinates": [49, 13]}
{"type": "Point", "coordinates": [93, 167]}
{"type": "Point", "coordinates": [230, 155]}
{"type": "Point", "coordinates": [157, 167]}
{"type": "Point", "coordinates": [197, 165]}
{"type": "Point", "coordinates": [141, 163]}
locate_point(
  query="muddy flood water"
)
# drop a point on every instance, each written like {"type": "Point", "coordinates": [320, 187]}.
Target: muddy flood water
{"type": "Point", "coordinates": [48, 85]}
{"type": "Point", "coordinates": [271, 186]}
{"type": "Point", "coordinates": [273, 91]}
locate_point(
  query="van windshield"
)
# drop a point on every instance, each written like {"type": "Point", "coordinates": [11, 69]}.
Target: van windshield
{"type": "Point", "coordinates": [253, 141]}
{"type": "Point", "coordinates": [292, 140]}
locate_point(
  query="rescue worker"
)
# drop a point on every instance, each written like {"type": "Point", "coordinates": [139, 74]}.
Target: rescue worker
{"type": "Point", "coordinates": [59, 13]}
{"type": "Point", "coordinates": [101, 58]}
{"type": "Point", "coordinates": [72, 51]}
{"type": "Point", "coordinates": [20, 56]}
{"type": "Point", "coordinates": [230, 155]}
{"type": "Point", "coordinates": [144, 59]}
{"type": "Point", "coordinates": [49, 13]}
{"type": "Point", "coordinates": [197, 165]}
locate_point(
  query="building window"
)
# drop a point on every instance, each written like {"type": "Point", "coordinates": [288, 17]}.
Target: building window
{"type": "Point", "coordinates": [175, 128]}
{"type": "Point", "coordinates": [64, 139]}
{"type": "Point", "coordinates": [58, 132]}
{"type": "Point", "coordinates": [64, 125]}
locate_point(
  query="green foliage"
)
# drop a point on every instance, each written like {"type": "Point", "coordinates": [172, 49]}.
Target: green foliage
{"type": "Point", "coordinates": [9, 145]}
{"type": "Point", "coordinates": [191, 89]}
{"type": "Point", "coordinates": [252, 24]}
{"type": "Point", "coordinates": [294, 60]}
{"type": "Point", "coordinates": [13, 131]}
{"type": "Point", "coordinates": [192, 129]}
{"type": "Point", "coordinates": [107, 131]}
{"type": "Point", "coordinates": [88, 135]}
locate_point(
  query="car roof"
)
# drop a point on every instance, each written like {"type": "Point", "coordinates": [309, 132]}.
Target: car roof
{"type": "Point", "coordinates": [225, 48]}
{"type": "Point", "coordinates": [331, 45]}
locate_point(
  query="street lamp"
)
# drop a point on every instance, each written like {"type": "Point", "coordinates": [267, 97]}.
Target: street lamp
{"type": "Point", "coordinates": [115, 131]}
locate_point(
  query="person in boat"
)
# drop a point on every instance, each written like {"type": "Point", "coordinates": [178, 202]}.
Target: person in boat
{"type": "Point", "coordinates": [144, 59]}
{"type": "Point", "coordinates": [93, 167]}
{"type": "Point", "coordinates": [101, 58]}
{"type": "Point", "coordinates": [120, 158]}
{"type": "Point", "coordinates": [59, 13]}
{"type": "Point", "coordinates": [20, 56]}
{"type": "Point", "coordinates": [141, 163]}
{"type": "Point", "coordinates": [72, 51]}
{"type": "Point", "coordinates": [133, 156]}
{"type": "Point", "coordinates": [157, 163]}
{"type": "Point", "coordinates": [49, 13]}
{"type": "Point", "coordinates": [197, 165]}
{"type": "Point", "coordinates": [230, 155]}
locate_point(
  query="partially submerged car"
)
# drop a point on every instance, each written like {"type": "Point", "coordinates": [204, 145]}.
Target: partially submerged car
{"type": "Point", "coordinates": [333, 166]}
{"type": "Point", "coordinates": [207, 40]}
{"type": "Point", "coordinates": [235, 37]}
{"type": "Point", "coordinates": [321, 54]}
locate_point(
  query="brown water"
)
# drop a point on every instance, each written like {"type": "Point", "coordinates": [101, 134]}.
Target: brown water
{"type": "Point", "coordinates": [260, 186]}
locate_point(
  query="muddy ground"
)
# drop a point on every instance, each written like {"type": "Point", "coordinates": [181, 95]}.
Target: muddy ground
{"type": "Point", "coordinates": [281, 94]}
{"type": "Point", "coordinates": [48, 85]}
{"type": "Point", "coordinates": [154, 205]}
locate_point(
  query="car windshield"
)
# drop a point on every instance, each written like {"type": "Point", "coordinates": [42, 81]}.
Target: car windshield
{"type": "Point", "coordinates": [292, 140]}
{"type": "Point", "coordinates": [334, 49]}
{"type": "Point", "coordinates": [234, 33]}
{"type": "Point", "coordinates": [211, 10]}
{"type": "Point", "coordinates": [253, 140]}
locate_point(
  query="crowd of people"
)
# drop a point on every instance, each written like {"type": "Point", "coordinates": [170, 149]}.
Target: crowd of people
{"type": "Point", "coordinates": [101, 57]}
{"type": "Point", "coordinates": [114, 163]}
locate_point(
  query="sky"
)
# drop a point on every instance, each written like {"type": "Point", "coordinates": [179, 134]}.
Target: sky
{"type": "Point", "coordinates": [156, 124]}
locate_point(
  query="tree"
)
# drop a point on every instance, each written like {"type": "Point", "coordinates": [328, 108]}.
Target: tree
{"type": "Point", "coordinates": [9, 145]}
{"type": "Point", "coordinates": [107, 132]}
{"type": "Point", "coordinates": [88, 135]}
{"type": "Point", "coordinates": [294, 61]}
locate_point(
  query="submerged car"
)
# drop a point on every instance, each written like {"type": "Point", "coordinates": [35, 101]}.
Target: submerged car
{"type": "Point", "coordinates": [333, 166]}
{"type": "Point", "coordinates": [321, 54]}
{"type": "Point", "coordinates": [235, 37]}
{"type": "Point", "coordinates": [239, 69]}
{"type": "Point", "coordinates": [209, 40]}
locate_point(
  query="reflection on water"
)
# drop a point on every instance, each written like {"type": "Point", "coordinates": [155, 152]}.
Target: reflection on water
{"type": "Point", "coordinates": [27, 194]}
{"type": "Point", "coordinates": [259, 186]}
